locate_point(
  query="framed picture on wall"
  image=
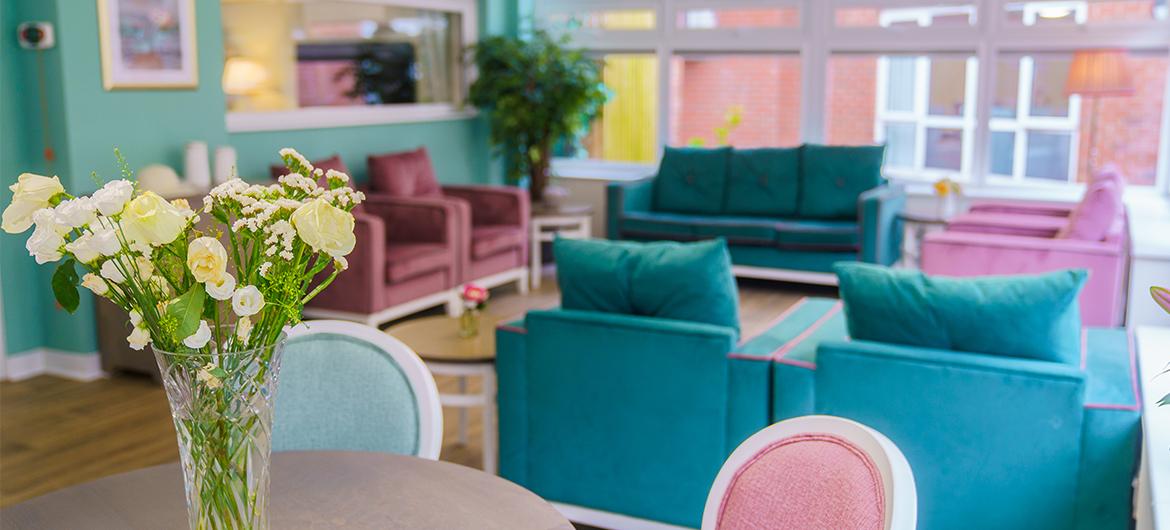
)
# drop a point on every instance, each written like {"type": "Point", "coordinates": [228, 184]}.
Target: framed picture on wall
{"type": "Point", "coordinates": [148, 44]}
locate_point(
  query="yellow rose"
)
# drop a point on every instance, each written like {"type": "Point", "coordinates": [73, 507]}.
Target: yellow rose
{"type": "Point", "coordinates": [152, 220]}
{"type": "Point", "coordinates": [325, 227]}
{"type": "Point", "coordinates": [29, 194]}
{"type": "Point", "coordinates": [207, 260]}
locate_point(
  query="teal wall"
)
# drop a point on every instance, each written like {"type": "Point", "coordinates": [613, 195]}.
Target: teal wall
{"type": "Point", "coordinates": [151, 126]}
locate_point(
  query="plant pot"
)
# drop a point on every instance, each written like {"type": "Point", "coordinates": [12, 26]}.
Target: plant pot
{"type": "Point", "coordinates": [221, 404]}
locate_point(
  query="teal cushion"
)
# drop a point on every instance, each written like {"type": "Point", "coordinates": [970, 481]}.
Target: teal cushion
{"type": "Point", "coordinates": [833, 177]}
{"type": "Point", "coordinates": [691, 180]}
{"type": "Point", "coordinates": [679, 281]}
{"type": "Point", "coordinates": [763, 182]}
{"type": "Point", "coordinates": [1030, 316]}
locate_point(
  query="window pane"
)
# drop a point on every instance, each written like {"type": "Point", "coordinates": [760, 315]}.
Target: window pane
{"type": "Point", "coordinates": [1003, 152]}
{"type": "Point", "coordinates": [1065, 13]}
{"type": "Point", "coordinates": [1048, 156]}
{"type": "Point", "coordinates": [607, 19]}
{"type": "Point", "coordinates": [900, 92]}
{"type": "Point", "coordinates": [627, 129]}
{"type": "Point", "coordinates": [944, 148]}
{"type": "Point", "coordinates": [1007, 88]}
{"type": "Point", "coordinates": [948, 86]}
{"type": "Point", "coordinates": [927, 15]}
{"type": "Point", "coordinates": [338, 53]}
{"type": "Point", "coordinates": [900, 144]}
{"type": "Point", "coordinates": [1049, 80]}
{"type": "Point", "coordinates": [740, 100]}
{"type": "Point", "coordinates": [781, 17]}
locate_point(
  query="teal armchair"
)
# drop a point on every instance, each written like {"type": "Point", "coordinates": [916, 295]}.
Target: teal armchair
{"type": "Point", "coordinates": [625, 414]}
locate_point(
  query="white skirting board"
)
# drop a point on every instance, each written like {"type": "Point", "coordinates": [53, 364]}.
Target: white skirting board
{"type": "Point", "coordinates": [43, 361]}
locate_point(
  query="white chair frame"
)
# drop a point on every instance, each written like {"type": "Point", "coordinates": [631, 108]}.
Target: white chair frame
{"type": "Point", "coordinates": [422, 383]}
{"type": "Point", "coordinates": [901, 496]}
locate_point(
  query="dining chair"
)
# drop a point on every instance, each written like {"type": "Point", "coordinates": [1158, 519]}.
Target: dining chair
{"type": "Point", "coordinates": [346, 386]}
{"type": "Point", "coordinates": [814, 472]}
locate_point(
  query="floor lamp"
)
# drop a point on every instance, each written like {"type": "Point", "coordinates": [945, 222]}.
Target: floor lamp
{"type": "Point", "coordinates": [1097, 74]}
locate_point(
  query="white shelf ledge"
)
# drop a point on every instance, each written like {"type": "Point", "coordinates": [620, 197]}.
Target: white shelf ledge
{"type": "Point", "coordinates": [331, 117]}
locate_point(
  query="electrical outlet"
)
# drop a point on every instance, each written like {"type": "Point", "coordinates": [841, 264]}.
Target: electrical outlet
{"type": "Point", "coordinates": [35, 35]}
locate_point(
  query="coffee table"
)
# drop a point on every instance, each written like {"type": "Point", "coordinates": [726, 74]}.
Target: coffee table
{"type": "Point", "coordinates": [436, 340]}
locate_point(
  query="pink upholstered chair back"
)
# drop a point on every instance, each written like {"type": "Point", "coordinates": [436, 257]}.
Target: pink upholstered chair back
{"type": "Point", "coordinates": [812, 473]}
{"type": "Point", "coordinates": [405, 174]}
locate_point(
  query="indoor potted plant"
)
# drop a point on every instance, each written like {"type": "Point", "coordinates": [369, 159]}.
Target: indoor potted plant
{"type": "Point", "coordinates": [535, 92]}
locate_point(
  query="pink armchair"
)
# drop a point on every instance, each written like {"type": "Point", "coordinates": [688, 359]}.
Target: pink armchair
{"type": "Point", "coordinates": [491, 222]}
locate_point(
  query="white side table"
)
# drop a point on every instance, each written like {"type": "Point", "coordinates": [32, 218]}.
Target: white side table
{"type": "Point", "coordinates": [1152, 497]}
{"type": "Point", "coordinates": [572, 221]}
{"type": "Point", "coordinates": [917, 226]}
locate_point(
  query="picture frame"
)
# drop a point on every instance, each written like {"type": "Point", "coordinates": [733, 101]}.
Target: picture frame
{"type": "Point", "coordinates": [148, 44]}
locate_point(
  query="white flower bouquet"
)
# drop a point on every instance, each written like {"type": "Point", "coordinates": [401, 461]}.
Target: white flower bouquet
{"type": "Point", "coordinates": [214, 315]}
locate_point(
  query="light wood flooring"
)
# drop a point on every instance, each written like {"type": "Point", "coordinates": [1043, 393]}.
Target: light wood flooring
{"type": "Point", "coordinates": [55, 433]}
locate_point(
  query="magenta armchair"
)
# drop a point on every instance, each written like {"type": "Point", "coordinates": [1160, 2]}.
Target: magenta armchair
{"type": "Point", "coordinates": [490, 222]}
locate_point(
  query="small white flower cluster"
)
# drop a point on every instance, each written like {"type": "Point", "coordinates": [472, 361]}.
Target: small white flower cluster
{"type": "Point", "coordinates": [301, 183]}
{"type": "Point", "coordinates": [283, 234]}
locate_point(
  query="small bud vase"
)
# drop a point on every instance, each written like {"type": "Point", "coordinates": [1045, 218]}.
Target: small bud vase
{"type": "Point", "coordinates": [469, 323]}
{"type": "Point", "coordinates": [221, 404]}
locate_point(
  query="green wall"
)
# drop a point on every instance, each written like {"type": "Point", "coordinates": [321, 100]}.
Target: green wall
{"type": "Point", "coordinates": [151, 126]}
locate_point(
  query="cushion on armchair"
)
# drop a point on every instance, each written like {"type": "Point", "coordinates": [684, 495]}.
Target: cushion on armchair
{"type": "Point", "coordinates": [1095, 216]}
{"type": "Point", "coordinates": [763, 182]}
{"type": "Point", "coordinates": [680, 281]}
{"type": "Point", "coordinates": [404, 174]}
{"type": "Point", "coordinates": [833, 177]}
{"type": "Point", "coordinates": [1030, 316]}
{"type": "Point", "coordinates": [691, 180]}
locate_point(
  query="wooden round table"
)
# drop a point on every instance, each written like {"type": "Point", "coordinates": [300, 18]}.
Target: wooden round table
{"type": "Point", "coordinates": [309, 490]}
{"type": "Point", "coordinates": [436, 340]}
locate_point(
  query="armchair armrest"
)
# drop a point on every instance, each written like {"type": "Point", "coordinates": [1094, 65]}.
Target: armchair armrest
{"type": "Point", "coordinates": [494, 205]}
{"type": "Point", "coordinates": [1038, 208]}
{"type": "Point", "coordinates": [878, 213]}
{"type": "Point", "coordinates": [626, 197]}
{"type": "Point", "coordinates": [360, 288]}
{"type": "Point", "coordinates": [1006, 243]}
{"type": "Point", "coordinates": [421, 219]}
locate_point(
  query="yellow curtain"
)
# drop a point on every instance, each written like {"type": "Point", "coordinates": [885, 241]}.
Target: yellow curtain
{"type": "Point", "coordinates": [629, 121]}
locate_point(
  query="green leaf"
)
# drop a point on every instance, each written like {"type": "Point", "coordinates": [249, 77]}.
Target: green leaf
{"type": "Point", "coordinates": [187, 311]}
{"type": "Point", "coordinates": [1164, 401]}
{"type": "Point", "coordinates": [65, 286]}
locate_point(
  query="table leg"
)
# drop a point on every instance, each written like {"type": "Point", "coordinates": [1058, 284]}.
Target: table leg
{"type": "Point", "coordinates": [587, 227]}
{"type": "Point", "coordinates": [462, 412]}
{"type": "Point", "coordinates": [534, 254]}
{"type": "Point", "coordinates": [490, 434]}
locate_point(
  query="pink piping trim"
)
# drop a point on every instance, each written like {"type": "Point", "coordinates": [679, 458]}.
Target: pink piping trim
{"type": "Point", "coordinates": [802, 364]}
{"type": "Point", "coordinates": [787, 347]}
{"type": "Point", "coordinates": [1133, 382]}
{"type": "Point", "coordinates": [787, 313]}
{"type": "Point", "coordinates": [513, 329]}
{"type": "Point", "coordinates": [874, 475]}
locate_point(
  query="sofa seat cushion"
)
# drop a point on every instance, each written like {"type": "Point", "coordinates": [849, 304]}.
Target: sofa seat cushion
{"type": "Point", "coordinates": [658, 225]}
{"type": "Point", "coordinates": [783, 233]}
{"type": "Point", "coordinates": [763, 181]}
{"type": "Point", "coordinates": [490, 240]}
{"type": "Point", "coordinates": [833, 177]}
{"type": "Point", "coordinates": [691, 180]}
{"type": "Point", "coordinates": [1034, 316]}
{"type": "Point", "coordinates": [409, 260]}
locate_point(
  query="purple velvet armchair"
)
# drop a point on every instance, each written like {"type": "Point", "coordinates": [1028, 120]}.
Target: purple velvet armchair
{"type": "Point", "coordinates": [1092, 235]}
{"type": "Point", "coordinates": [490, 222]}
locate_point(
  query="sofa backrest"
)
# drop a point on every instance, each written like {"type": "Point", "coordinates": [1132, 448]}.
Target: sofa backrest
{"type": "Point", "coordinates": [403, 174]}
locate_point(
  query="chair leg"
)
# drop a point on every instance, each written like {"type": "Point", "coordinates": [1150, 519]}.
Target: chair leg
{"type": "Point", "coordinates": [522, 282]}
{"type": "Point", "coordinates": [490, 433]}
{"type": "Point", "coordinates": [462, 412]}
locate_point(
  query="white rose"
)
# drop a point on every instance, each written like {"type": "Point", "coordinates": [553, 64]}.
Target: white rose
{"type": "Point", "coordinates": [47, 219]}
{"type": "Point", "coordinates": [325, 227]}
{"type": "Point", "coordinates": [200, 338]}
{"type": "Point", "coordinates": [247, 301]}
{"type": "Point", "coordinates": [99, 286]}
{"type": "Point", "coordinates": [150, 219]}
{"type": "Point", "coordinates": [138, 338]}
{"type": "Point", "coordinates": [83, 248]}
{"type": "Point", "coordinates": [76, 213]}
{"type": "Point", "coordinates": [243, 329]}
{"type": "Point", "coordinates": [144, 266]}
{"type": "Point", "coordinates": [110, 271]}
{"type": "Point", "coordinates": [45, 245]}
{"type": "Point", "coordinates": [223, 289]}
{"type": "Point", "coordinates": [29, 194]}
{"type": "Point", "coordinates": [135, 318]}
{"type": "Point", "coordinates": [105, 241]}
{"type": "Point", "coordinates": [113, 197]}
{"type": "Point", "coordinates": [207, 260]}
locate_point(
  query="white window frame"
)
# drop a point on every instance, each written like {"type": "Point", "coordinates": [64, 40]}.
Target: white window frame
{"type": "Point", "coordinates": [327, 117]}
{"type": "Point", "coordinates": [1024, 122]}
{"type": "Point", "coordinates": [817, 39]}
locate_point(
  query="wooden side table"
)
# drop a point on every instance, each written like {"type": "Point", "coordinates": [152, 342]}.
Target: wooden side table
{"type": "Point", "coordinates": [436, 340]}
{"type": "Point", "coordinates": [570, 221]}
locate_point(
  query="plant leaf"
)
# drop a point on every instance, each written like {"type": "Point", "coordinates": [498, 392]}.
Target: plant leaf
{"type": "Point", "coordinates": [187, 311]}
{"type": "Point", "coordinates": [1164, 401]}
{"type": "Point", "coordinates": [65, 286]}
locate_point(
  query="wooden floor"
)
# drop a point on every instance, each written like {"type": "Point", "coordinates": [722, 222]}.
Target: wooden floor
{"type": "Point", "coordinates": [55, 433]}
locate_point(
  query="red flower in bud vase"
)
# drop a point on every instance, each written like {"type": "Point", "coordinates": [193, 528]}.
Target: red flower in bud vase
{"type": "Point", "coordinates": [474, 296]}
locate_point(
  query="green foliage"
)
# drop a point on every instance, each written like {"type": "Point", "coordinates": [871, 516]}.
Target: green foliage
{"type": "Point", "coordinates": [64, 284]}
{"type": "Point", "coordinates": [187, 310]}
{"type": "Point", "coordinates": [534, 92]}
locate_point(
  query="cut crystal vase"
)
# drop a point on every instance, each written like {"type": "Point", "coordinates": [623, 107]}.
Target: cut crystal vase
{"type": "Point", "coordinates": [221, 404]}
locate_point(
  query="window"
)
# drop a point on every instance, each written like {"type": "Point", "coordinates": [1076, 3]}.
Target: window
{"type": "Point", "coordinates": [746, 100]}
{"type": "Point", "coordinates": [1084, 12]}
{"type": "Point", "coordinates": [626, 129]}
{"type": "Point", "coordinates": [723, 18]}
{"type": "Point", "coordinates": [905, 17]}
{"type": "Point", "coordinates": [609, 19]}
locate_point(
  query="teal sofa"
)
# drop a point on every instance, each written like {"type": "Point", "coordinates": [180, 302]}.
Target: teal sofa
{"type": "Point", "coordinates": [786, 213]}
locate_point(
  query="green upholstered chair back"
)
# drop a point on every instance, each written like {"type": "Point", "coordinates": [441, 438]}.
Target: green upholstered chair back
{"type": "Point", "coordinates": [350, 387]}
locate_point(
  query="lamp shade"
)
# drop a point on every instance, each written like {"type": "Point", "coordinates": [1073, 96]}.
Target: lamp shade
{"type": "Point", "coordinates": [1100, 73]}
{"type": "Point", "coordinates": [241, 76]}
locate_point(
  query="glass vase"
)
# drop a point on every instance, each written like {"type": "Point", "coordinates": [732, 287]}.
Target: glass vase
{"type": "Point", "coordinates": [221, 404]}
{"type": "Point", "coordinates": [469, 323]}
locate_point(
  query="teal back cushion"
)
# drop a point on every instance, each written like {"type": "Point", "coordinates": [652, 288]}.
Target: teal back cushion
{"type": "Point", "coordinates": [339, 393]}
{"type": "Point", "coordinates": [833, 177]}
{"type": "Point", "coordinates": [1032, 316]}
{"type": "Point", "coordinates": [691, 180]}
{"type": "Point", "coordinates": [679, 281]}
{"type": "Point", "coordinates": [763, 181]}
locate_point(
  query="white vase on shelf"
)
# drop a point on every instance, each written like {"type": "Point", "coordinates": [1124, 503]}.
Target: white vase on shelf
{"type": "Point", "coordinates": [196, 168]}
